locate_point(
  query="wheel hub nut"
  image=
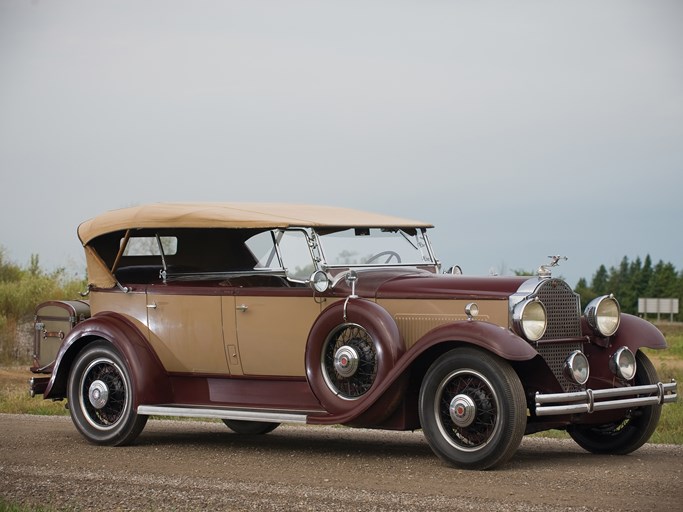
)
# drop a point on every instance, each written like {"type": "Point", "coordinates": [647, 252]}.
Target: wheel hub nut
{"type": "Point", "coordinates": [462, 410]}
{"type": "Point", "coordinates": [346, 361]}
{"type": "Point", "coordinates": [98, 394]}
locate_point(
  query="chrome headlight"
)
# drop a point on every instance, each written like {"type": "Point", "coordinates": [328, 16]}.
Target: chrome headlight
{"type": "Point", "coordinates": [530, 318]}
{"type": "Point", "coordinates": [472, 310]}
{"type": "Point", "coordinates": [603, 315]}
{"type": "Point", "coordinates": [576, 367]}
{"type": "Point", "coordinates": [319, 281]}
{"type": "Point", "coordinates": [623, 364]}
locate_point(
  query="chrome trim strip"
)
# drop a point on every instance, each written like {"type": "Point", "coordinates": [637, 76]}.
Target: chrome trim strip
{"type": "Point", "coordinates": [626, 398]}
{"type": "Point", "coordinates": [222, 413]}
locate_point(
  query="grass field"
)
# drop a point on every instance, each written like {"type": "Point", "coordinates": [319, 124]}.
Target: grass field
{"type": "Point", "coordinates": [14, 397]}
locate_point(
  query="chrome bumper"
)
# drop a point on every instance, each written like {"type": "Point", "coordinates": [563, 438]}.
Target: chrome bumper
{"type": "Point", "coordinates": [589, 401]}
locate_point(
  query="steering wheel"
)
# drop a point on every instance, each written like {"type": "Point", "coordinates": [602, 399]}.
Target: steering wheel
{"type": "Point", "coordinates": [388, 254]}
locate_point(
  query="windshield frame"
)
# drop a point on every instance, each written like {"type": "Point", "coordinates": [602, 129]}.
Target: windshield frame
{"type": "Point", "coordinates": [428, 258]}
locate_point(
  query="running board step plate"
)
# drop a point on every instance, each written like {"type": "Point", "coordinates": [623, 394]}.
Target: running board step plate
{"type": "Point", "coordinates": [224, 413]}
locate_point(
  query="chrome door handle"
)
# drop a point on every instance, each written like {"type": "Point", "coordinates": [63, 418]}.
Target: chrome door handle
{"type": "Point", "coordinates": [153, 305]}
{"type": "Point", "coordinates": [242, 308]}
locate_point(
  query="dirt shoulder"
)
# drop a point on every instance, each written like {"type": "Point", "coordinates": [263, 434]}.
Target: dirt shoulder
{"type": "Point", "coordinates": [198, 465]}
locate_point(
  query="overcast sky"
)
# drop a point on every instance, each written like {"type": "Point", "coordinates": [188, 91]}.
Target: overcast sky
{"type": "Point", "coordinates": [520, 129]}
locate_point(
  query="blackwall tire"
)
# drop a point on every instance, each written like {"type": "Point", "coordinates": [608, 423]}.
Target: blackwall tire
{"type": "Point", "coordinates": [632, 431]}
{"type": "Point", "coordinates": [100, 395]}
{"type": "Point", "coordinates": [472, 409]}
{"type": "Point", "coordinates": [361, 331]}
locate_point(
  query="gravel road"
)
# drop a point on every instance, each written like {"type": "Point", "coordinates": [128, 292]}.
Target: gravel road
{"type": "Point", "coordinates": [181, 465]}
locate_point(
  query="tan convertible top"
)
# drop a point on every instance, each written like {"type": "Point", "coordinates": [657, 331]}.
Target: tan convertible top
{"type": "Point", "coordinates": [221, 215]}
{"type": "Point", "coordinates": [235, 215]}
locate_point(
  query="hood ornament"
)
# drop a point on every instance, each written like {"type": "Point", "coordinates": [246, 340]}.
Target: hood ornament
{"type": "Point", "coordinates": [544, 271]}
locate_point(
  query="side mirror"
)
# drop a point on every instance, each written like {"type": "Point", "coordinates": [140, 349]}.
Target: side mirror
{"type": "Point", "coordinates": [351, 279]}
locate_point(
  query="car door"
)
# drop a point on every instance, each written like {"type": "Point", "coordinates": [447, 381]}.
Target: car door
{"type": "Point", "coordinates": [272, 329]}
{"type": "Point", "coordinates": [186, 328]}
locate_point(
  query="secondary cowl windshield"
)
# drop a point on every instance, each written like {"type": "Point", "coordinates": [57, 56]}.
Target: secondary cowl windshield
{"type": "Point", "coordinates": [374, 246]}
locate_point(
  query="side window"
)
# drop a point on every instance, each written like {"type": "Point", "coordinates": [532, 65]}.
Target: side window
{"type": "Point", "coordinates": [149, 246]}
{"type": "Point", "coordinates": [293, 247]}
{"type": "Point", "coordinates": [262, 246]}
{"type": "Point", "coordinates": [296, 255]}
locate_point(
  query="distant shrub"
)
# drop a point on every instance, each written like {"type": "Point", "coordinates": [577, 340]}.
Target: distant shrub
{"type": "Point", "coordinates": [21, 290]}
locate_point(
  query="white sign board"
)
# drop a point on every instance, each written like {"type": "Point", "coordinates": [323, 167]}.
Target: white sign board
{"type": "Point", "coordinates": [658, 306]}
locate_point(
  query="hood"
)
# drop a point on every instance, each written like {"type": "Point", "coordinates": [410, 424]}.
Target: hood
{"type": "Point", "coordinates": [419, 284]}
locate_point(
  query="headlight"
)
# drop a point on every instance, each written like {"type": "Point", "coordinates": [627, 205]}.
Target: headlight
{"type": "Point", "coordinates": [623, 364]}
{"type": "Point", "coordinates": [319, 281]}
{"type": "Point", "coordinates": [576, 367]}
{"type": "Point", "coordinates": [603, 315]}
{"type": "Point", "coordinates": [472, 310]}
{"type": "Point", "coordinates": [530, 319]}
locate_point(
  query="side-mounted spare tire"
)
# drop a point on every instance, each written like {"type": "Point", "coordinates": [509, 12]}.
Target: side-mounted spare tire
{"type": "Point", "coordinates": [351, 349]}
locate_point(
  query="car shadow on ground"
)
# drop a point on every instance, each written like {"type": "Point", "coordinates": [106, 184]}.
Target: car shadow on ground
{"type": "Point", "coordinates": [350, 443]}
{"type": "Point", "coordinates": [331, 440]}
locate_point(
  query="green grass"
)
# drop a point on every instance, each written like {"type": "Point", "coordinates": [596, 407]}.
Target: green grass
{"type": "Point", "coordinates": [15, 399]}
{"type": "Point", "coordinates": [669, 364]}
{"type": "Point", "coordinates": [13, 507]}
{"type": "Point", "coordinates": [674, 338]}
{"type": "Point", "coordinates": [670, 428]}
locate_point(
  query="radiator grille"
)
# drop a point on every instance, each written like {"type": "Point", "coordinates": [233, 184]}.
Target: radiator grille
{"type": "Point", "coordinates": [563, 308]}
{"type": "Point", "coordinates": [555, 355]}
{"type": "Point", "coordinates": [564, 321]}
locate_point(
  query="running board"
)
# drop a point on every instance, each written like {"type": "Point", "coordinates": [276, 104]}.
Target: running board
{"type": "Point", "coordinates": [269, 416]}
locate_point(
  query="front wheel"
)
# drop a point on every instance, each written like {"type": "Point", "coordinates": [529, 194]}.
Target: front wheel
{"type": "Point", "coordinates": [629, 433]}
{"type": "Point", "coordinates": [472, 409]}
{"type": "Point", "coordinates": [100, 395]}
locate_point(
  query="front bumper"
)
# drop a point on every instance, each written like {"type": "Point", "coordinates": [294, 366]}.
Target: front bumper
{"type": "Point", "coordinates": [589, 401]}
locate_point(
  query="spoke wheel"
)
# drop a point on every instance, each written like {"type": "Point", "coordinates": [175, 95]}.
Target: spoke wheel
{"type": "Point", "coordinates": [250, 428]}
{"type": "Point", "coordinates": [629, 433]}
{"type": "Point", "coordinates": [349, 362]}
{"type": "Point", "coordinates": [472, 409]}
{"type": "Point", "coordinates": [100, 397]}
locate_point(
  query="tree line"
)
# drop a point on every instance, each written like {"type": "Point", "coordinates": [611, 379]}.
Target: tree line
{"type": "Point", "coordinates": [632, 280]}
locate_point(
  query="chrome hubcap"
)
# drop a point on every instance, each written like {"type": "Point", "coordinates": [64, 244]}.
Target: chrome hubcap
{"type": "Point", "coordinates": [98, 394]}
{"type": "Point", "coordinates": [462, 410]}
{"type": "Point", "coordinates": [346, 361]}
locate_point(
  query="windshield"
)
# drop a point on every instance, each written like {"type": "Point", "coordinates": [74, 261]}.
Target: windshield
{"type": "Point", "coordinates": [300, 252]}
{"type": "Point", "coordinates": [375, 246]}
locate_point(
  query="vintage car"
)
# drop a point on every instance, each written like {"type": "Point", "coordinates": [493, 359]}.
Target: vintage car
{"type": "Point", "coordinates": [259, 314]}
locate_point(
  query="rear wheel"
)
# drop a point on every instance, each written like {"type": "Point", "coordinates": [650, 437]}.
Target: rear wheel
{"type": "Point", "coordinates": [472, 409]}
{"type": "Point", "coordinates": [100, 395]}
{"type": "Point", "coordinates": [252, 428]}
{"type": "Point", "coordinates": [629, 433]}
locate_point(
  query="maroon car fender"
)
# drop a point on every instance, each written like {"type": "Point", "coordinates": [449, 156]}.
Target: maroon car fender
{"type": "Point", "coordinates": [387, 343]}
{"type": "Point", "coordinates": [636, 333]}
{"type": "Point", "coordinates": [491, 337]}
{"type": "Point", "coordinates": [150, 381]}
{"type": "Point", "coordinates": [633, 333]}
